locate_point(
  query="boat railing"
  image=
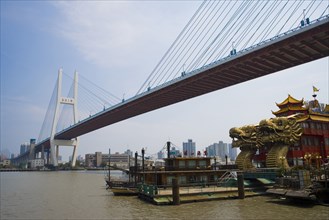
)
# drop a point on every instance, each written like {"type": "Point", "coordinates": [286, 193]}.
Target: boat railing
{"type": "Point", "coordinates": [205, 187]}
{"type": "Point", "coordinates": [226, 178]}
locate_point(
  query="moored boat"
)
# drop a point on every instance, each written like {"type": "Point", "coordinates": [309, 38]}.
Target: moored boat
{"type": "Point", "coordinates": [189, 171]}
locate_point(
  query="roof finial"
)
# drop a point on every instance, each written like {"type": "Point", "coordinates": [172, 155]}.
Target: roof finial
{"type": "Point", "coordinates": [314, 91]}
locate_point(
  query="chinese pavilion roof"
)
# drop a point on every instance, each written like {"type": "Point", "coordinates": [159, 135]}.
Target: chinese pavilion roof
{"type": "Point", "coordinates": [312, 110]}
{"type": "Point", "coordinates": [290, 104]}
{"type": "Point", "coordinates": [290, 100]}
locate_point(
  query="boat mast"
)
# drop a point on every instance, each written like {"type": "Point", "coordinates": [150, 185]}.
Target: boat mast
{"type": "Point", "coordinates": [129, 167]}
{"type": "Point", "coordinates": [109, 165]}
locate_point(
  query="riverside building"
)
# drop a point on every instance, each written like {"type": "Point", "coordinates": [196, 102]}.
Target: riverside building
{"type": "Point", "coordinates": [99, 159]}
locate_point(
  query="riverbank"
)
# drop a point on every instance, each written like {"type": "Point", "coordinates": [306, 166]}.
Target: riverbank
{"type": "Point", "coordinates": [42, 169]}
{"type": "Point", "coordinates": [7, 170]}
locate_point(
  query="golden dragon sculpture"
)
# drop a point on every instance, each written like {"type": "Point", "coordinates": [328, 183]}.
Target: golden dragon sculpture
{"type": "Point", "coordinates": [275, 133]}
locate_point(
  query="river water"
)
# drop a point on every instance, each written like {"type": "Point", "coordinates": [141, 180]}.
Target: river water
{"type": "Point", "coordinates": [82, 195]}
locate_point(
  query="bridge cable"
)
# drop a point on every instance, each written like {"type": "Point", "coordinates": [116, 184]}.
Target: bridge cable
{"type": "Point", "coordinates": [178, 40]}
{"type": "Point", "coordinates": [221, 33]}
{"type": "Point", "coordinates": [265, 21]}
{"type": "Point", "coordinates": [193, 44]}
{"type": "Point", "coordinates": [100, 88]}
{"type": "Point", "coordinates": [206, 50]}
{"type": "Point", "coordinates": [46, 125]}
{"type": "Point", "coordinates": [198, 43]}
{"type": "Point", "coordinates": [205, 45]}
{"type": "Point", "coordinates": [180, 49]}
{"type": "Point", "coordinates": [229, 32]}
{"type": "Point", "coordinates": [170, 48]}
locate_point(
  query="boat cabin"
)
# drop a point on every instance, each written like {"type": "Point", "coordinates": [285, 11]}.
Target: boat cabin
{"type": "Point", "coordinates": [187, 170]}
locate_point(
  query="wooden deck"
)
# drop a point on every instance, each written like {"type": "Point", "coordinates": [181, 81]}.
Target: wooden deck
{"type": "Point", "coordinates": [194, 194]}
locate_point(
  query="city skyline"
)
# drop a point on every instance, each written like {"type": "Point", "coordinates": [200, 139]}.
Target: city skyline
{"type": "Point", "coordinates": [50, 35]}
{"type": "Point", "coordinates": [175, 148]}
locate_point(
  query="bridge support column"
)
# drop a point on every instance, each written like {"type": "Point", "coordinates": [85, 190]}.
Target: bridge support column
{"type": "Point", "coordinates": [57, 152]}
{"type": "Point", "coordinates": [48, 157]}
{"type": "Point", "coordinates": [55, 143]}
{"type": "Point", "coordinates": [74, 154]}
{"type": "Point", "coordinates": [42, 152]}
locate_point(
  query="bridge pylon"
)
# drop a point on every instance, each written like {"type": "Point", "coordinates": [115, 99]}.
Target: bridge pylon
{"type": "Point", "coordinates": [55, 143]}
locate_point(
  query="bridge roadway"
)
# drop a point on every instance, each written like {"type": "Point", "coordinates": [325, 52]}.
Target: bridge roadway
{"type": "Point", "coordinates": [290, 49]}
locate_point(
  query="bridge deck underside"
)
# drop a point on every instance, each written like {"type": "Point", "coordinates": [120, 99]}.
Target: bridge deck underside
{"type": "Point", "coordinates": [298, 49]}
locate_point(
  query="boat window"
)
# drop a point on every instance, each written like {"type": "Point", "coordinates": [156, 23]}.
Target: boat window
{"type": "Point", "coordinates": [169, 180]}
{"type": "Point", "coordinates": [182, 180]}
{"type": "Point", "coordinates": [192, 179]}
{"type": "Point", "coordinates": [203, 179]}
{"type": "Point", "coordinates": [202, 164]}
{"type": "Point", "coordinates": [191, 164]}
{"type": "Point", "coordinates": [182, 164]}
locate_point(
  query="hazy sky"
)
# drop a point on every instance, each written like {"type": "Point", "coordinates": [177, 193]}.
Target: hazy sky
{"type": "Point", "coordinates": [116, 45]}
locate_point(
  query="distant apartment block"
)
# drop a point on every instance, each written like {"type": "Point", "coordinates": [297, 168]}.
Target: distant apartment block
{"type": "Point", "coordinates": [233, 152]}
{"type": "Point", "coordinates": [36, 163]}
{"type": "Point", "coordinates": [5, 163]}
{"type": "Point", "coordinates": [222, 149]}
{"type": "Point", "coordinates": [24, 147]}
{"type": "Point", "coordinates": [129, 152]}
{"type": "Point", "coordinates": [189, 148]}
{"type": "Point", "coordinates": [161, 155]}
{"type": "Point", "coordinates": [98, 159]}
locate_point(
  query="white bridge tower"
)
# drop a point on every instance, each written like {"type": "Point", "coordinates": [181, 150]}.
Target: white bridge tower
{"type": "Point", "coordinates": [55, 143]}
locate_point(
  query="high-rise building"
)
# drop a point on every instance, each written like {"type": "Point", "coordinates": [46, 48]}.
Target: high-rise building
{"type": "Point", "coordinates": [24, 147]}
{"type": "Point", "coordinates": [213, 150]}
{"type": "Point", "coordinates": [223, 151]}
{"type": "Point", "coordinates": [129, 152]}
{"type": "Point", "coordinates": [233, 152]}
{"type": "Point", "coordinates": [161, 155]}
{"type": "Point", "coordinates": [189, 148]}
{"type": "Point", "coordinates": [80, 158]}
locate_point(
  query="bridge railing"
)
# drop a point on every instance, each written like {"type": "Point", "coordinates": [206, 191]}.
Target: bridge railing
{"type": "Point", "coordinates": [258, 44]}
{"type": "Point", "coordinates": [241, 52]}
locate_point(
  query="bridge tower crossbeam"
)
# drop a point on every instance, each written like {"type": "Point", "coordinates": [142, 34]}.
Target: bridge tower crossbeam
{"type": "Point", "coordinates": [55, 143]}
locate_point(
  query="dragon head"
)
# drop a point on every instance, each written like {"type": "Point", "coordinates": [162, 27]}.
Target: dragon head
{"type": "Point", "coordinates": [243, 136]}
{"type": "Point", "coordinates": [280, 129]}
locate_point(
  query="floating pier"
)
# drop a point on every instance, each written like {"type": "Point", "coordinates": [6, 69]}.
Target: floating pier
{"type": "Point", "coordinates": [169, 196]}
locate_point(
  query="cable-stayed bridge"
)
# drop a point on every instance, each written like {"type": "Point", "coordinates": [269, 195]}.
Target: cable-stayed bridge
{"type": "Point", "coordinates": [224, 43]}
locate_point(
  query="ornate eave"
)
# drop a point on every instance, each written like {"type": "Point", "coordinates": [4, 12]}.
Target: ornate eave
{"type": "Point", "coordinates": [303, 118]}
{"type": "Point", "coordinates": [290, 108]}
{"type": "Point", "coordinates": [290, 100]}
{"type": "Point", "coordinates": [322, 118]}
